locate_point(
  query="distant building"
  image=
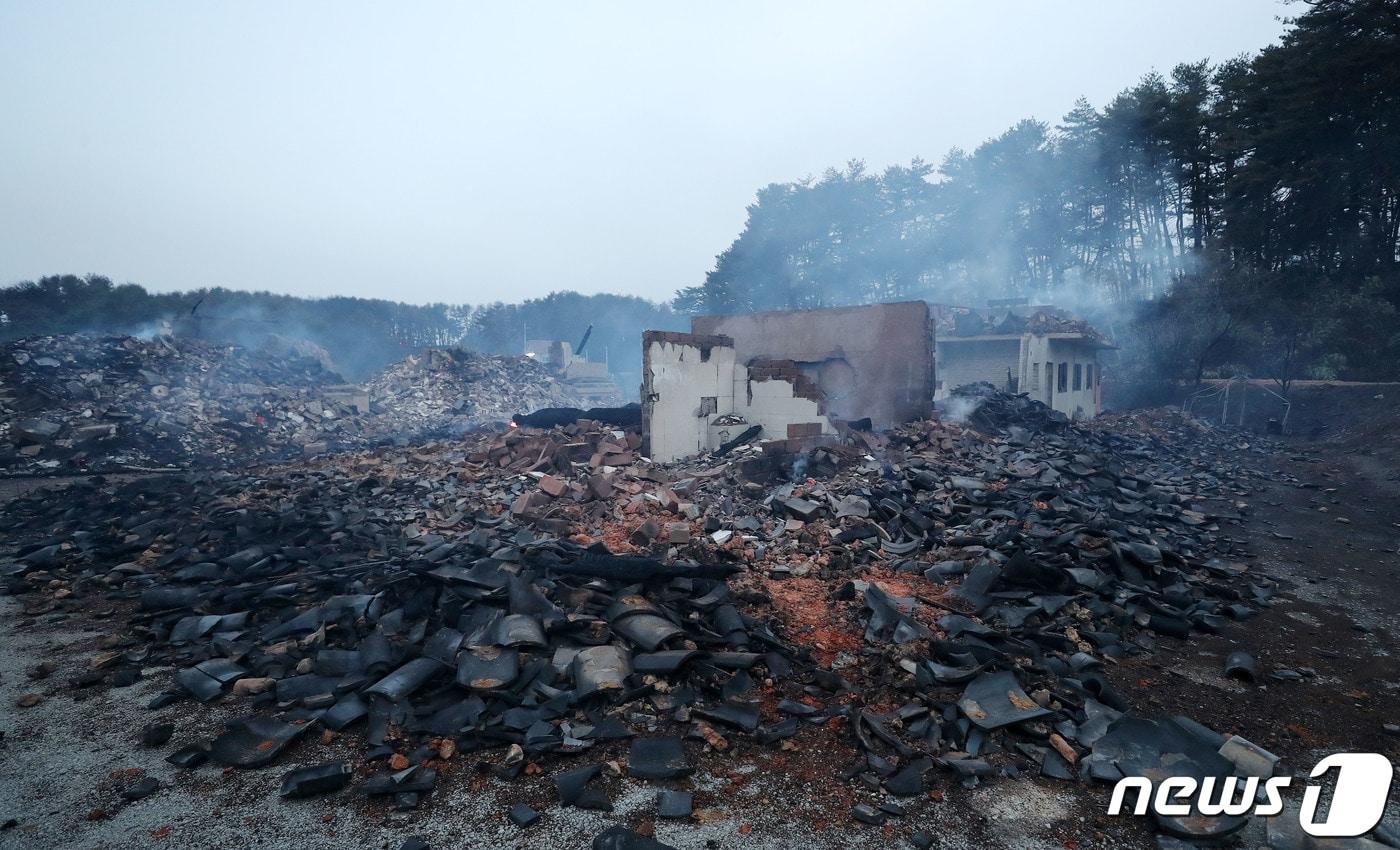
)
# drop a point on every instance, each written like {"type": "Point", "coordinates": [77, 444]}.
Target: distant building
{"type": "Point", "coordinates": [1039, 350]}
{"type": "Point", "coordinates": [590, 381]}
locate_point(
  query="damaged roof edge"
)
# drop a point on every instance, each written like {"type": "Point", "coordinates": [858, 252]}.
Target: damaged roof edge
{"type": "Point", "coordinates": [683, 338]}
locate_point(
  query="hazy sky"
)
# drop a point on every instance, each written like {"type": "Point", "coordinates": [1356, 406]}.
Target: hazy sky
{"type": "Point", "coordinates": [470, 153]}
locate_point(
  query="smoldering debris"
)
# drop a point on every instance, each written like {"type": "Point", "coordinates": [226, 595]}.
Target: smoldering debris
{"type": "Point", "coordinates": [71, 404]}
{"type": "Point", "coordinates": [940, 600]}
{"type": "Point", "coordinates": [447, 392]}
{"type": "Point", "coordinates": [992, 411]}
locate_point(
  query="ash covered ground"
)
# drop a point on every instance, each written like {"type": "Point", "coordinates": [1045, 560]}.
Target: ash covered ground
{"type": "Point", "coordinates": [938, 636]}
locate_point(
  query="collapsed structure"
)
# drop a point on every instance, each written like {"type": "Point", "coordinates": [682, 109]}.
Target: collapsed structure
{"type": "Point", "coordinates": [449, 391]}
{"type": "Point", "coordinates": [931, 606]}
{"type": "Point", "coordinates": [925, 604]}
{"type": "Point", "coordinates": [794, 374]}
{"type": "Point", "coordinates": [589, 380]}
{"type": "Point", "coordinates": [77, 403]}
{"type": "Point", "coordinates": [1039, 350]}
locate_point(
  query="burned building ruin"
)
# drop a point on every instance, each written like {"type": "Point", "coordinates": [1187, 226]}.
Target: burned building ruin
{"type": "Point", "coordinates": [1042, 351]}
{"type": "Point", "coordinates": [795, 374]}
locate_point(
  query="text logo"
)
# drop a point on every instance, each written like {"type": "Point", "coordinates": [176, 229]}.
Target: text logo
{"type": "Point", "coordinates": [1363, 785]}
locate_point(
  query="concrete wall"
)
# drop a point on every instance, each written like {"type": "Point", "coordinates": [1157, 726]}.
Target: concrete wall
{"type": "Point", "coordinates": [1030, 358]}
{"type": "Point", "coordinates": [874, 360]}
{"type": "Point", "coordinates": [689, 380]}
{"type": "Point", "coordinates": [678, 372]}
{"type": "Point", "coordinates": [966, 361]}
{"type": "Point", "coordinates": [1040, 350]}
{"type": "Point", "coordinates": [778, 397]}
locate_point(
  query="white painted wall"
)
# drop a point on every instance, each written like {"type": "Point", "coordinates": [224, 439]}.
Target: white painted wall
{"type": "Point", "coordinates": [966, 361]}
{"type": "Point", "coordinates": [963, 362]}
{"type": "Point", "coordinates": [1081, 403]}
{"type": "Point", "coordinates": [681, 377]}
{"type": "Point", "coordinates": [771, 403]}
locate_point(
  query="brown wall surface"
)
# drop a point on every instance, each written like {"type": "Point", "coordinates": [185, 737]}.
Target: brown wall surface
{"type": "Point", "coordinates": [889, 348]}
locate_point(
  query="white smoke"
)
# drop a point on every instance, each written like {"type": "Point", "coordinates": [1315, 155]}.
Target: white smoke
{"type": "Point", "coordinates": [958, 408]}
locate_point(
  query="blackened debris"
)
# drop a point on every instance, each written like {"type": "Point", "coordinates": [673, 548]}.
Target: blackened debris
{"type": "Point", "coordinates": [943, 599]}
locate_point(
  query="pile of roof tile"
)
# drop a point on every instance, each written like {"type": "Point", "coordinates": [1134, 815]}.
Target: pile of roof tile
{"type": "Point", "coordinates": [443, 392]}
{"type": "Point", "coordinates": [992, 411]}
{"type": "Point", "coordinates": [530, 597]}
{"type": "Point", "coordinates": [79, 403]}
{"type": "Point", "coordinates": [72, 403]}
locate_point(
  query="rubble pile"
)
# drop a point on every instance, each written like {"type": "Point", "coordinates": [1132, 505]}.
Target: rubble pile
{"type": "Point", "coordinates": [993, 411]}
{"type": "Point", "coordinates": [78, 403]}
{"type": "Point", "coordinates": [444, 392]}
{"type": "Point", "coordinates": [73, 403]}
{"type": "Point", "coordinates": [547, 602]}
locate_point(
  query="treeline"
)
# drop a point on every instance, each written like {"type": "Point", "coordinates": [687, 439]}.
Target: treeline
{"type": "Point", "coordinates": [1233, 217]}
{"type": "Point", "coordinates": [361, 335]}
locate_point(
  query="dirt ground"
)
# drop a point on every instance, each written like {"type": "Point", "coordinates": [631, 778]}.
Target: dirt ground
{"type": "Point", "coordinates": [1333, 537]}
